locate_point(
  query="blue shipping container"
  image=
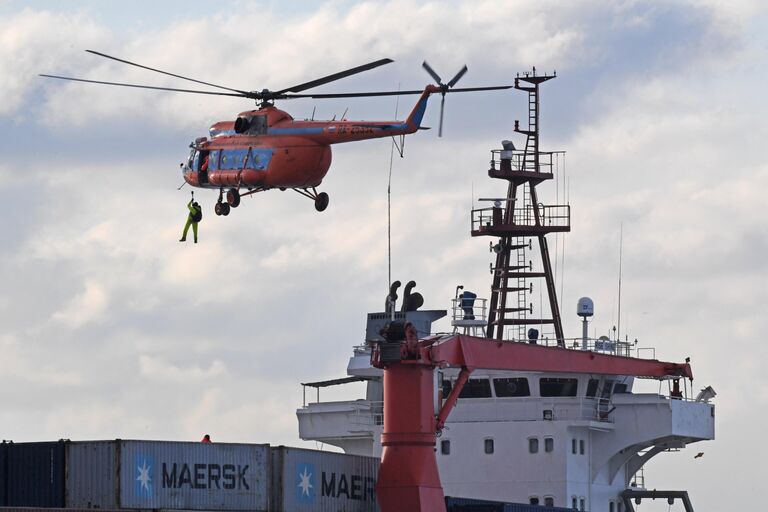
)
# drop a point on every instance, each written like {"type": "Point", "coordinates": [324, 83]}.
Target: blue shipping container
{"type": "Point", "coordinates": [34, 475]}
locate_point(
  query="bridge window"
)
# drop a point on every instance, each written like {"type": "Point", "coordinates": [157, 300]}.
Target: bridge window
{"type": "Point", "coordinates": [592, 388]}
{"type": "Point", "coordinates": [611, 506]}
{"type": "Point", "coordinates": [533, 445]}
{"type": "Point", "coordinates": [582, 504]}
{"type": "Point", "coordinates": [549, 387]}
{"type": "Point", "coordinates": [549, 444]}
{"type": "Point", "coordinates": [445, 447]}
{"type": "Point", "coordinates": [476, 388]}
{"type": "Point", "coordinates": [489, 446]}
{"type": "Point", "coordinates": [573, 446]}
{"type": "Point", "coordinates": [581, 447]}
{"type": "Point", "coordinates": [607, 388]}
{"type": "Point", "coordinates": [549, 501]}
{"type": "Point", "coordinates": [447, 387]}
{"type": "Point", "coordinates": [515, 386]}
{"type": "Point", "coordinates": [533, 500]}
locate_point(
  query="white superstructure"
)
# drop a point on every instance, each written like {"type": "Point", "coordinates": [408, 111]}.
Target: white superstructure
{"type": "Point", "coordinates": [557, 439]}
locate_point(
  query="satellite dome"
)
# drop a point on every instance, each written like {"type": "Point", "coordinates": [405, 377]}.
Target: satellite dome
{"type": "Point", "coordinates": [585, 307]}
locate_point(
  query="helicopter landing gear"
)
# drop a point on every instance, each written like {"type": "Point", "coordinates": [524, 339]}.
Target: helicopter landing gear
{"type": "Point", "coordinates": [321, 199]}
{"type": "Point", "coordinates": [221, 208]}
{"type": "Point", "coordinates": [233, 197]}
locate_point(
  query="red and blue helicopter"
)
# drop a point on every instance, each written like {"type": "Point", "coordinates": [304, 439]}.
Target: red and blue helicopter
{"type": "Point", "coordinates": [266, 148]}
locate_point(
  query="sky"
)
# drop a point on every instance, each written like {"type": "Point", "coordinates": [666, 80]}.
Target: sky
{"type": "Point", "coordinates": [110, 328]}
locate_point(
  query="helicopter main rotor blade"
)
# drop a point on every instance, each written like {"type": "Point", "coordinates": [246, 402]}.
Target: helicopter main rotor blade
{"type": "Point", "coordinates": [335, 76]}
{"type": "Point", "coordinates": [432, 73]}
{"type": "Point", "coordinates": [164, 72]}
{"type": "Point", "coordinates": [353, 94]}
{"type": "Point", "coordinates": [458, 76]}
{"type": "Point", "coordinates": [389, 93]}
{"type": "Point", "coordinates": [146, 86]}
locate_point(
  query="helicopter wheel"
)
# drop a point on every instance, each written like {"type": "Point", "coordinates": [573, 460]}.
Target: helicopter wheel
{"type": "Point", "coordinates": [321, 201]}
{"type": "Point", "coordinates": [221, 209]}
{"type": "Point", "coordinates": [233, 197]}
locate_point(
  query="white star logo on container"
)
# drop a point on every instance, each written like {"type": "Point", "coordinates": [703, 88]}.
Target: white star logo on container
{"type": "Point", "coordinates": [304, 484]}
{"type": "Point", "coordinates": [144, 477]}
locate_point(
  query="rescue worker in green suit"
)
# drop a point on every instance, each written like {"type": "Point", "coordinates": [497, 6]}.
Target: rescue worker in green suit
{"type": "Point", "coordinates": [195, 216]}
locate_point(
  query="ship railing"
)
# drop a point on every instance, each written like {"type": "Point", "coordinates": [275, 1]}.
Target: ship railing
{"type": "Point", "coordinates": [603, 345]}
{"type": "Point", "coordinates": [466, 312]}
{"type": "Point", "coordinates": [519, 160]}
{"type": "Point", "coordinates": [567, 408]}
{"type": "Point", "coordinates": [554, 216]}
{"type": "Point", "coordinates": [367, 413]}
{"type": "Point", "coordinates": [538, 409]}
{"type": "Point", "coordinates": [357, 412]}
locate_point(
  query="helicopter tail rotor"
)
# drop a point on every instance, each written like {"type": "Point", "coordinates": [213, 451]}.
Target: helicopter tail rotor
{"type": "Point", "coordinates": [444, 88]}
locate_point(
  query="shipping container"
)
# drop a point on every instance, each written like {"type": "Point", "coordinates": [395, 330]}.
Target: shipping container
{"type": "Point", "coordinates": [315, 481]}
{"type": "Point", "coordinates": [2, 473]}
{"type": "Point", "coordinates": [34, 474]}
{"type": "Point", "coordinates": [167, 475]}
{"type": "Point", "coordinates": [473, 505]}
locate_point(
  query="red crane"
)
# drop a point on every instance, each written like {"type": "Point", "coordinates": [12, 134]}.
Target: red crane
{"type": "Point", "coordinates": [408, 476]}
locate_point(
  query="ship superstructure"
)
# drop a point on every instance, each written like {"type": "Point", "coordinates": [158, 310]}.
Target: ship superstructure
{"type": "Point", "coordinates": [574, 439]}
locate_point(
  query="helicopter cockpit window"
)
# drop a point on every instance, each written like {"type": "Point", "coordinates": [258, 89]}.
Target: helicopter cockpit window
{"type": "Point", "coordinates": [257, 125]}
{"type": "Point", "coordinates": [191, 162]}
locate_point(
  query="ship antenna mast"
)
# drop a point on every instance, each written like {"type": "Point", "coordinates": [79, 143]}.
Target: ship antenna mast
{"type": "Point", "coordinates": [621, 244]}
{"type": "Point", "coordinates": [516, 220]}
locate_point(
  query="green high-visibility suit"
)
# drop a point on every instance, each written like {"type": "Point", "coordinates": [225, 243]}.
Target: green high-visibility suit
{"type": "Point", "coordinates": [193, 209]}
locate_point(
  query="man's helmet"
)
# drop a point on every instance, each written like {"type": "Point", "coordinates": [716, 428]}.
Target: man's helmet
{"type": "Point", "coordinates": [195, 204]}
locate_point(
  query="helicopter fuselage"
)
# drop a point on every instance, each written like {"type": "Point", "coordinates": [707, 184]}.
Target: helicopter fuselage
{"type": "Point", "coordinates": [267, 148]}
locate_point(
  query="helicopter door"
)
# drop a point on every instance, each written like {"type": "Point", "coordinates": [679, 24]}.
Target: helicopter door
{"type": "Point", "coordinates": [204, 164]}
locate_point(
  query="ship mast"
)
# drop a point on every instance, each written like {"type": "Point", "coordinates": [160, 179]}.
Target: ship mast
{"type": "Point", "coordinates": [518, 218]}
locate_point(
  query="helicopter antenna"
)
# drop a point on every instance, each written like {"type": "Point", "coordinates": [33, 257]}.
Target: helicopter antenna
{"type": "Point", "coordinates": [345, 113]}
{"type": "Point", "coordinates": [389, 201]}
{"type": "Point", "coordinates": [313, 112]}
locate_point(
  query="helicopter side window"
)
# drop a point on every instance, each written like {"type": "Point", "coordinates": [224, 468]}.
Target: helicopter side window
{"type": "Point", "coordinates": [213, 160]}
{"type": "Point", "coordinates": [233, 158]}
{"type": "Point", "coordinates": [258, 159]}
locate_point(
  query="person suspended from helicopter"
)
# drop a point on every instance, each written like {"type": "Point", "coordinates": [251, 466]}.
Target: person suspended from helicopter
{"type": "Point", "coordinates": [194, 217]}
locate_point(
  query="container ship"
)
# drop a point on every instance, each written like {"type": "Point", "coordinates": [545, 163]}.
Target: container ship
{"type": "Point", "coordinates": [503, 413]}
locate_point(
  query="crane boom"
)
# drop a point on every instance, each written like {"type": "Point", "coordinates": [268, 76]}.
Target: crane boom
{"type": "Point", "coordinates": [408, 476]}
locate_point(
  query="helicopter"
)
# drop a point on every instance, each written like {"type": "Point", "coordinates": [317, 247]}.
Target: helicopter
{"type": "Point", "coordinates": [265, 148]}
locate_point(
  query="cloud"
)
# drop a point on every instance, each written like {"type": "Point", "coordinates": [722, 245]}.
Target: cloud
{"type": "Point", "coordinates": [89, 306]}
{"type": "Point", "coordinates": [38, 42]}
{"type": "Point", "coordinates": [107, 318]}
